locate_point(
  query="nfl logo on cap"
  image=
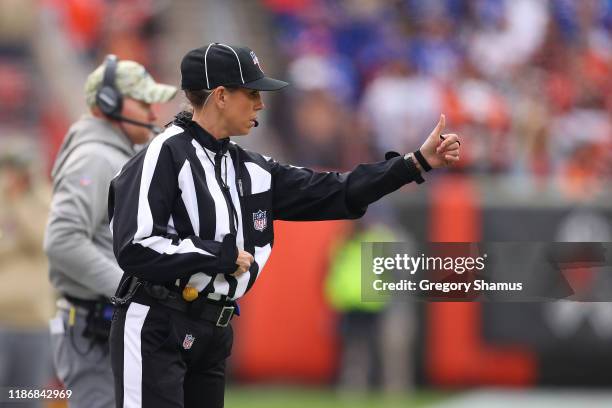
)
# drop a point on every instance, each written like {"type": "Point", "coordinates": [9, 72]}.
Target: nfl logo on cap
{"type": "Point", "coordinates": [255, 60]}
{"type": "Point", "coordinates": [259, 220]}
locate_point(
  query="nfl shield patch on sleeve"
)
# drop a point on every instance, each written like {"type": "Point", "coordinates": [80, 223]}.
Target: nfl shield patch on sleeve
{"type": "Point", "coordinates": [259, 220]}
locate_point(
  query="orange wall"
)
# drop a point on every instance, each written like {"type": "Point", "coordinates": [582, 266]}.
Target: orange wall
{"type": "Point", "coordinates": [456, 354]}
{"type": "Point", "coordinates": [286, 331]}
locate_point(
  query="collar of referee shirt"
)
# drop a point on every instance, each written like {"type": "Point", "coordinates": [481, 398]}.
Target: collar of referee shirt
{"type": "Point", "coordinates": [205, 139]}
{"type": "Point", "coordinates": [219, 64]}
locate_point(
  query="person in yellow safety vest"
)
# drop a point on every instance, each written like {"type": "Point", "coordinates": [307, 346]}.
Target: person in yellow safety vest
{"type": "Point", "coordinates": [359, 323]}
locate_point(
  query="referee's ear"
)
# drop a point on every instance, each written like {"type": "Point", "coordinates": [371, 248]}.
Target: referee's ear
{"type": "Point", "coordinates": [220, 96]}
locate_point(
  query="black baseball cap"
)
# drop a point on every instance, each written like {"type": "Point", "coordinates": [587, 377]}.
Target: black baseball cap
{"type": "Point", "coordinates": [219, 64]}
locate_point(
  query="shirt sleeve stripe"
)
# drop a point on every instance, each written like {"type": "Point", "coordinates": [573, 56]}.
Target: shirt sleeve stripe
{"type": "Point", "coordinates": [144, 215]}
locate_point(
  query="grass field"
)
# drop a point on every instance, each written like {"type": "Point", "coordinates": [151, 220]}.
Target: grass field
{"type": "Point", "coordinates": [303, 397]}
{"type": "Point", "coordinates": [300, 397]}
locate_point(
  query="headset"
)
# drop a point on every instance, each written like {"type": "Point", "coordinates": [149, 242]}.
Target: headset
{"type": "Point", "coordinates": [108, 98]}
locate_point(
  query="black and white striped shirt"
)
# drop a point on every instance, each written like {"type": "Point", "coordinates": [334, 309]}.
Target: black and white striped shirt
{"type": "Point", "coordinates": [181, 208]}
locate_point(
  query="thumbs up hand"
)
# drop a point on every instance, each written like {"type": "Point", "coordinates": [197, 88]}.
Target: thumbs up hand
{"type": "Point", "coordinates": [441, 150]}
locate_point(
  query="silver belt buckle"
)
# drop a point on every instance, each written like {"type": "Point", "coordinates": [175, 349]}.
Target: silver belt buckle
{"type": "Point", "coordinates": [225, 316]}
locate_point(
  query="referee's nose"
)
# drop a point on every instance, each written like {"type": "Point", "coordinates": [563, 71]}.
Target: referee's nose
{"type": "Point", "coordinates": [259, 105]}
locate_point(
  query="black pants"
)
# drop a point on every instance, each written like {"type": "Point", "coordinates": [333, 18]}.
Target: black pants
{"type": "Point", "coordinates": [162, 358]}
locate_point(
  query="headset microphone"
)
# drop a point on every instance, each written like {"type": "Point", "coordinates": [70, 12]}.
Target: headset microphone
{"type": "Point", "coordinates": [110, 100]}
{"type": "Point", "coordinates": [155, 129]}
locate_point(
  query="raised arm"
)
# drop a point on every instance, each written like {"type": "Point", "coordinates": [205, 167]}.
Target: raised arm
{"type": "Point", "coordinates": [302, 194]}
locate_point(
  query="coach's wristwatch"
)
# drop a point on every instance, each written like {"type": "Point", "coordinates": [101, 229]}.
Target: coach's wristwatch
{"type": "Point", "coordinates": [413, 169]}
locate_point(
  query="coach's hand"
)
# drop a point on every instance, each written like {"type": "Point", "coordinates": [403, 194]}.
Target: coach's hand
{"type": "Point", "coordinates": [441, 152]}
{"type": "Point", "coordinates": [244, 262]}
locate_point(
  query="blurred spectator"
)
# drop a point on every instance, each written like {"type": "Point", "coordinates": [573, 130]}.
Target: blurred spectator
{"type": "Point", "coordinates": [25, 294]}
{"type": "Point", "coordinates": [15, 93]}
{"type": "Point", "coordinates": [17, 19]}
{"type": "Point", "coordinates": [132, 30]}
{"type": "Point", "coordinates": [507, 33]}
{"type": "Point", "coordinates": [360, 322]}
{"type": "Point", "coordinates": [400, 105]}
{"type": "Point", "coordinates": [81, 21]}
{"type": "Point", "coordinates": [98, 27]}
{"type": "Point", "coordinates": [320, 138]}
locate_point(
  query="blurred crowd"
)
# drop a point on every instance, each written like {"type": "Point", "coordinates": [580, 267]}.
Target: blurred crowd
{"type": "Point", "coordinates": [89, 29]}
{"type": "Point", "coordinates": [96, 27]}
{"type": "Point", "coordinates": [527, 82]}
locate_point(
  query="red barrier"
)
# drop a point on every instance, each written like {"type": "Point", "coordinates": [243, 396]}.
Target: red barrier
{"type": "Point", "coordinates": [456, 354]}
{"type": "Point", "coordinates": [287, 331]}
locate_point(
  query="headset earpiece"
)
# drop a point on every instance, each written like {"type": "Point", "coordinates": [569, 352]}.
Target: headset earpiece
{"type": "Point", "coordinates": [108, 97]}
{"type": "Point", "coordinates": [110, 101]}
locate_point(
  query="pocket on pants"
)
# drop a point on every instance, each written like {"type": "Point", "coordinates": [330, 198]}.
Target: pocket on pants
{"type": "Point", "coordinates": [62, 362]}
{"type": "Point", "coordinates": [229, 341]}
{"type": "Point", "coordinates": [158, 332]}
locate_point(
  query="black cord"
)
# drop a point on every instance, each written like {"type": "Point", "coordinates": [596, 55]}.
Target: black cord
{"type": "Point", "coordinates": [74, 346]}
{"type": "Point", "coordinates": [225, 187]}
{"type": "Point", "coordinates": [92, 344]}
{"type": "Point", "coordinates": [237, 170]}
{"type": "Point", "coordinates": [225, 163]}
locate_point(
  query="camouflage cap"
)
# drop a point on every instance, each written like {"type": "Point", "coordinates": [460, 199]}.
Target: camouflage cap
{"type": "Point", "coordinates": [133, 81]}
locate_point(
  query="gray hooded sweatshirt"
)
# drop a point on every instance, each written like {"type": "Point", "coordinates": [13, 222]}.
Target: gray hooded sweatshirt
{"type": "Point", "coordinates": [78, 240]}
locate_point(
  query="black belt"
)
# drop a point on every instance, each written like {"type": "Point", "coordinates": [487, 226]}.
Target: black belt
{"type": "Point", "coordinates": [201, 308]}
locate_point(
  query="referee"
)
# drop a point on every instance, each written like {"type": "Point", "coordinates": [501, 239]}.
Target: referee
{"type": "Point", "coordinates": [192, 220]}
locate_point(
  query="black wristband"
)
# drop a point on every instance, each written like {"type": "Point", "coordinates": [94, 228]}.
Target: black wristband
{"type": "Point", "coordinates": [414, 170]}
{"type": "Point", "coordinates": [419, 156]}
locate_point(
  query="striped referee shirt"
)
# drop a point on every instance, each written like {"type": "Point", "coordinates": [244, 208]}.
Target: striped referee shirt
{"type": "Point", "coordinates": [181, 208]}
